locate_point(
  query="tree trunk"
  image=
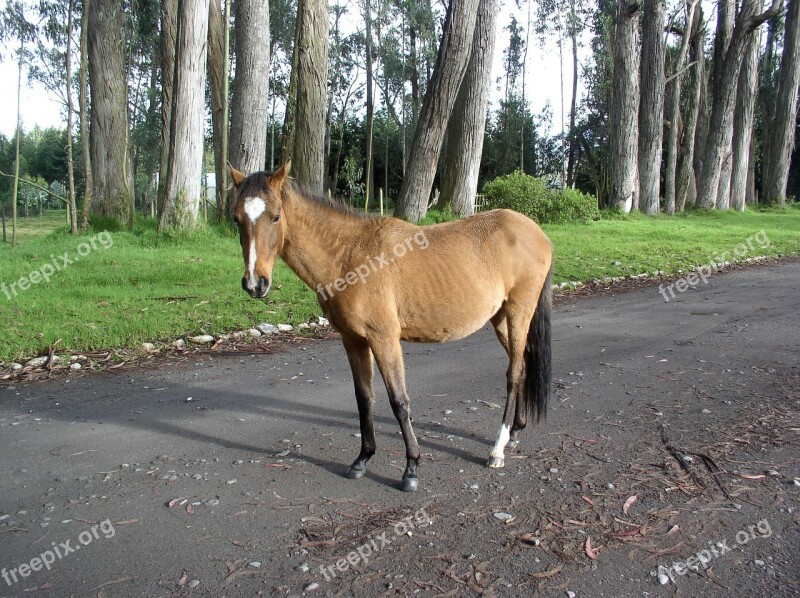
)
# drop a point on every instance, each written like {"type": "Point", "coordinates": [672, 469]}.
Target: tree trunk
{"type": "Point", "coordinates": [743, 125]}
{"type": "Point", "coordinates": [766, 91]}
{"type": "Point", "coordinates": [689, 140]}
{"type": "Point", "coordinates": [468, 121]}
{"type": "Point", "coordinates": [670, 173]}
{"type": "Point", "coordinates": [73, 209]}
{"type": "Point", "coordinates": [308, 155]}
{"type": "Point", "coordinates": [290, 111]}
{"type": "Point", "coordinates": [723, 101]}
{"type": "Point", "coordinates": [440, 95]}
{"type": "Point", "coordinates": [573, 142]}
{"type": "Point", "coordinates": [250, 100]}
{"type": "Point", "coordinates": [651, 109]}
{"type": "Point", "coordinates": [83, 108]}
{"type": "Point", "coordinates": [369, 192]}
{"type": "Point", "coordinates": [217, 58]}
{"type": "Point", "coordinates": [779, 151]}
{"type": "Point", "coordinates": [183, 189]}
{"type": "Point", "coordinates": [113, 183]}
{"type": "Point", "coordinates": [623, 134]}
{"type": "Point", "coordinates": [169, 33]}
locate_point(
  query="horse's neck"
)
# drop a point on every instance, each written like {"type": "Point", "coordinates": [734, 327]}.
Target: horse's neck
{"type": "Point", "coordinates": [316, 239]}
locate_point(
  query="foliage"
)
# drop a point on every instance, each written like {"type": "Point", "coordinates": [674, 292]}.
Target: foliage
{"type": "Point", "coordinates": [535, 198]}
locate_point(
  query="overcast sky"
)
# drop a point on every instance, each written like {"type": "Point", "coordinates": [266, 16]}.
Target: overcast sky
{"type": "Point", "coordinates": [543, 82]}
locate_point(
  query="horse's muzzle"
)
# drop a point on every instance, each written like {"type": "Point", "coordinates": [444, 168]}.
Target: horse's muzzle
{"type": "Point", "coordinates": [260, 290]}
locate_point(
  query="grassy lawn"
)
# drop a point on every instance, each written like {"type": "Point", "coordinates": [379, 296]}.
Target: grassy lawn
{"type": "Point", "coordinates": [139, 286]}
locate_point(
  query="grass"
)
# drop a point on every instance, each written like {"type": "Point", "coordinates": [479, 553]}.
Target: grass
{"type": "Point", "coordinates": [148, 287]}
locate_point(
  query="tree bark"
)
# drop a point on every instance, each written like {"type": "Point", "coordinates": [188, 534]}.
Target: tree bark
{"type": "Point", "coordinates": [73, 209]}
{"type": "Point", "coordinates": [743, 125]}
{"type": "Point", "coordinates": [670, 172]}
{"type": "Point", "coordinates": [724, 97]}
{"type": "Point", "coordinates": [573, 142]}
{"type": "Point", "coordinates": [440, 95]}
{"type": "Point", "coordinates": [83, 109]}
{"type": "Point", "coordinates": [216, 82]}
{"type": "Point", "coordinates": [468, 121]}
{"type": "Point", "coordinates": [113, 181]}
{"type": "Point", "coordinates": [651, 109]}
{"type": "Point", "coordinates": [623, 134]}
{"type": "Point", "coordinates": [779, 151]}
{"type": "Point", "coordinates": [250, 100]}
{"type": "Point", "coordinates": [184, 189]}
{"type": "Point", "coordinates": [169, 33]}
{"type": "Point", "coordinates": [290, 111]}
{"type": "Point", "coordinates": [369, 191]}
{"type": "Point", "coordinates": [308, 155]}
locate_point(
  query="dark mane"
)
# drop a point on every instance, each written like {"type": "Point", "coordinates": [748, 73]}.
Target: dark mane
{"type": "Point", "coordinates": [257, 181]}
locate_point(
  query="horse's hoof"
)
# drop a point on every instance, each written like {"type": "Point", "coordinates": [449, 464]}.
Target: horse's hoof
{"type": "Point", "coordinates": [496, 462]}
{"type": "Point", "coordinates": [410, 484]}
{"type": "Point", "coordinates": [354, 474]}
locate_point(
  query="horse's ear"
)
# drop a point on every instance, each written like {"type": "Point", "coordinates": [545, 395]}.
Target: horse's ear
{"type": "Point", "coordinates": [279, 177]}
{"type": "Point", "coordinates": [236, 176]}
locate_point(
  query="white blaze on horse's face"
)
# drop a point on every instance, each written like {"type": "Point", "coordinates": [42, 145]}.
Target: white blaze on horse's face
{"type": "Point", "coordinates": [254, 207]}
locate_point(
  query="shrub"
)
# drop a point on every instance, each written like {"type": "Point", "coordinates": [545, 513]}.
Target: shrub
{"type": "Point", "coordinates": [536, 199]}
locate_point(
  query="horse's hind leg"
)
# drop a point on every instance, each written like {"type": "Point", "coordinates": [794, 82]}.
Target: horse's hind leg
{"type": "Point", "coordinates": [517, 319]}
{"type": "Point", "coordinates": [389, 355]}
{"type": "Point", "coordinates": [360, 358]}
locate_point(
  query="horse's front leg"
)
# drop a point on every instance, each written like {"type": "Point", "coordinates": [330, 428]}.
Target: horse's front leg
{"type": "Point", "coordinates": [389, 355]}
{"type": "Point", "coordinates": [360, 358]}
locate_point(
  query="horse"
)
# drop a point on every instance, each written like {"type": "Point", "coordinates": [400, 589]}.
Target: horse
{"type": "Point", "coordinates": [382, 280]}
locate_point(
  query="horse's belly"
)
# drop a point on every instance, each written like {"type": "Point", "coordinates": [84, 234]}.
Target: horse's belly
{"type": "Point", "coordinates": [446, 323]}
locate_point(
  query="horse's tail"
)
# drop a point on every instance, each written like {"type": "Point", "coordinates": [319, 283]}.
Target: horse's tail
{"type": "Point", "coordinates": [538, 355]}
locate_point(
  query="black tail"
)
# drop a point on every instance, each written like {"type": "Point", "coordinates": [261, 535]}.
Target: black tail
{"type": "Point", "coordinates": [538, 355]}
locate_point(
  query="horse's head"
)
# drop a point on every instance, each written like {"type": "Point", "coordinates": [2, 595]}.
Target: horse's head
{"type": "Point", "coordinates": [258, 214]}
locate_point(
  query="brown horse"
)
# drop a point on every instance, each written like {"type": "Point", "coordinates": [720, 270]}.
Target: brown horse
{"type": "Point", "coordinates": [383, 280]}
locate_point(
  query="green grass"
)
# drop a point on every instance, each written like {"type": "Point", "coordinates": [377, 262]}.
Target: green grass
{"type": "Point", "coordinates": [150, 287]}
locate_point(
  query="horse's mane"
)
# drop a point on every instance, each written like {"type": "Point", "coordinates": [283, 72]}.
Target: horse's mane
{"type": "Point", "coordinates": [257, 181]}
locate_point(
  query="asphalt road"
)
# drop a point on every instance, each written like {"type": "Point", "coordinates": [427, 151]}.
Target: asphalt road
{"type": "Point", "coordinates": [651, 398]}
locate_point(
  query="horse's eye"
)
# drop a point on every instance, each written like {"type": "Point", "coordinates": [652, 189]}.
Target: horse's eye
{"type": "Point", "coordinates": [275, 218]}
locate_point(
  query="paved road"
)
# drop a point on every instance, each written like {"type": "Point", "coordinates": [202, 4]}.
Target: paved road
{"type": "Point", "coordinates": [90, 465]}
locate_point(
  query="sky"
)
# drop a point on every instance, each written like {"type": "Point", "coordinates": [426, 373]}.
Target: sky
{"type": "Point", "coordinates": [543, 81]}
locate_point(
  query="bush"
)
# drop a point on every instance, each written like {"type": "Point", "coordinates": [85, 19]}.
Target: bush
{"type": "Point", "coordinates": [536, 199]}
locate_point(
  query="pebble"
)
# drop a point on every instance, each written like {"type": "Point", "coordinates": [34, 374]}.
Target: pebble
{"type": "Point", "coordinates": [553, 470]}
{"type": "Point", "coordinates": [15, 367]}
{"type": "Point", "coordinates": [503, 516]}
{"type": "Point", "coordinates": [149, 347]}
{"type": "Point", "coordinates": [663, 579]}
{"type": "Point", "coordinates": [254, 332]}
{"type": "Point", "coordinates": [448, 411]}
{"type": "Point", "coordinates": [233, 481]}
{"type": "Point", "coordinates": [311, 587]}
{"type": "Point", "coordinates": [304, 326]}
{"type": "Point", "coordinates": [254, 564]}
{"type": "Point", "coordinates": [38, 362]}
{"type": "Point", "coordinates": [705, 411]}
{"type": "Point", "coordinates": [193, 584]}
{"type": "Point", "coordinates": [180, 344]}
{"type": "Point", "coordinates": [266, 328]}
{"type": "Point", "coordinates": [303, 568]}
{"type": "Point", "coordinates": [202, 339]}
{"type": "Point", "coordinates": [4, 517]}
{"type": "Point", "coordinates": [285, 327]}
{"type": "Point", "coordinates": [759, 562]}
{"type": "Point", "coordinates": [75, 366]}
{"type": "Point", "coordinates": [570, 594]}
{"type": "Point", "coordinates": [323, 321]}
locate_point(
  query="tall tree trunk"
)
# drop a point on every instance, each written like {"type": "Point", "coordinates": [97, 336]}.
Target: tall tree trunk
{"type": "Point", "coordinates": [696, 120]}
{"type": "Point", "coordinates": [308, 155]}
{"type": "Point", "coordinates": [743, 125]}
{"type": "Point", "coordinates": [670, 171]}
{"type": "Point", "coordinates": [468, 121]}
{"type": "Point", "coordinates": [766, 91]}
{"type": "Point", "coordinates": [184, 190]}
{"type": "Point", "coordinates": [723, 101]}
{"type": "Point", "coordinates": [250, 100]}
{"type": "Point", "coordinates": [15, 190]}
{"type": "Point", "coordinates": [369, 192]}
{"type": "Point", "coordinates": [83, 109]}
{"type": "Point", "coordinates": [726, 13]}
{"type": "Point", "coordinates": [217, 58]}
{"type": "Point", "coordinates": [779, 151]}
{"type": "Point", "coordinates": [169, 35]}
{"type": "Point", "coordinates": [573, 142]}
{"type": "Point", "coordinates": [623, 134]}
{"type": "Point", "coordinates": [111, 161]}
{"type": "Point", "coordinates": [651, 109]}
{"type": "Point", "coordinates": [440, 95]}
{"type": "Point", "coordinates": [290, 112]}
{"type": "Point", "coordinates": [73, 209]}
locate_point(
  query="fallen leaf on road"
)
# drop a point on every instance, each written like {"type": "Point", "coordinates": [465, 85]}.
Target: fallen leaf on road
{"type": "Point", "coordinates": [548, 574]}
{"type": "Point", "coordinates": [182, 580]}
{"type": "Point", "coordinates": [591, 552]}
{"type": "Point", "coordinates": [628, 504]}
{"type": "Point", "coordinates": [587, 499]}
{"type": "Point", "coordinates": [127, 522]}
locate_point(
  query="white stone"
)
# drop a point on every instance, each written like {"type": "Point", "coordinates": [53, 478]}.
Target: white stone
{"type": "Point", "coordinates": [180, 343]}
{"type": "Point", "coordinates": [285, 327]}
{"type": "Point", "coordinates": [254, 332]}
{"type": "Point", "coordinates": [15, 367]}
{"type": "Point", "coordinates": [75, 366]}
{"type": "Point", "coordinates": [202, 339]}
{"type": "Point", "coordinates": [311, 587]}
{"type": "Point", "coordinates": [323, 321]}
{"type": "Point", "coordinates": [267, 328]}
{"type": "Point", "coordinates": [149, 347]}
